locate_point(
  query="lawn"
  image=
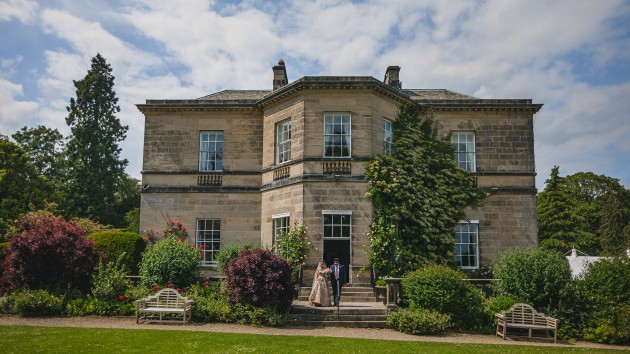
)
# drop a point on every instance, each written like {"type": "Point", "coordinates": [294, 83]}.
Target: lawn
{"type": "Point", "coordinates": [28, 339]}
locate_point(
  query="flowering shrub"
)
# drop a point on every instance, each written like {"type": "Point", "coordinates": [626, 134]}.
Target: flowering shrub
{"type": "Point", "coordinates": [176, 230]}
{"type": "Point", "coordinates": [109, 281]}
{"type": "Point", "coordinates": [293, 246]}
{"type": "Point", "coordinates": [261, 279]}
{"type": "Point", "coordinates": [49, 254]}
{"type": "Point", "coordinates": [168, 261]}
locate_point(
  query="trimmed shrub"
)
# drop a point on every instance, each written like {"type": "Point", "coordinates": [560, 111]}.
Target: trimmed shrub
{"type": "Point", "coordinates": [229, 252]}
{"type": "Point", "coordinates": [261, 279]}
{"type": "Point", "coordinates": [50, 254]}
{"type": "Point", "coordinates": [605, 292]}
{"type": "Point", "coordinates": [170, 261]}
{"type": "Point", "coordinates": [111, 244]}
{"type": "Point", "coordinates": [419, 321]}
{"type": "Point", "coordinates": [33, 303]}
{"type": "Point", "coordinates": [537, 276]}
{"type": "Point", "coordinates": [442, 289]}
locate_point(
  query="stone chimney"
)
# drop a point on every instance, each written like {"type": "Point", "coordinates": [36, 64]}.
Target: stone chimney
{"type": "Point", "coordinates": [391, 77]}
{"type": "Point", "coordinates": [279, 75]}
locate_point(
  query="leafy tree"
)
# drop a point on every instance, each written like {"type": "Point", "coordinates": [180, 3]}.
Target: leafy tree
{"type": "Point", "coordinates": [585, 211]}
{"type": "Point", "coordinates": [127, 199]}
{"type": "Point", "coordinates": [420, 190]}
{"type": "Point", "coordinates": [96, 168]}
{"type": "Point", "coordinates": [558, 224]}
{"type": "Point", "coordinates": [19, 184]}
{"type": "Point", "coordinates": [614, 229]}
{"type": "Point", "coordinates": [43, 145]}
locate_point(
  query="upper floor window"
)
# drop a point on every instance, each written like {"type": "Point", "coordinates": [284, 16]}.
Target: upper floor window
{"type": "Point", "coordinates": [337, 224]}
{"type": "Point", "coordinates": [280, 226]}
{"type": "Point", "coordinates": [467, 245]}
{"type": "Point", "coordinates": [208, 240]}
{"type": "Point", "coordinates": [211, 151]}
{"type": "Point", "coordinates": [337, 135]}
{"type": "Point", "coordinates": [283, 141]}
{"type": "Point", "coordinates": [464, 143]}
{"type": "Point", "coordinates": [387, 138]}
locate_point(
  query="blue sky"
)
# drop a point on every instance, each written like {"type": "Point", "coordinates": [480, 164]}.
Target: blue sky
{"type": "Point", "coordinates": [573, 56]}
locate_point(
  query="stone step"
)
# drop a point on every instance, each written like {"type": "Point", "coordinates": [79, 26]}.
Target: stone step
{"type": "Point", "coordinates": [350, 294]}
{"type": "Point", "coordinates": [355, 315]}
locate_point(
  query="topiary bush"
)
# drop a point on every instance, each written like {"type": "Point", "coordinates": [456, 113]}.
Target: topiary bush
{"type": "Point", "coordinates": [419, 321]}
{"type": "Point", "coordinates": [33, 303]}
{"type": "Point", "coordinates": [261, 279]}
{"type": "Point", "coordinates": [170, 261]}
{"type": "Point", "coordinates": [605, 292]}
{"type": "Point", "coordinates": [111, 244]}
{"type": "Point", "coordinates": [442, 289]}
{"type": "Point", "coordinates": [50, 254]}
{"type": "Point", "coordinates": [537, 276]}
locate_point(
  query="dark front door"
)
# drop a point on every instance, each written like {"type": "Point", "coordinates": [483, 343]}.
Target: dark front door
{"type": "Point", "coordinates": [337, 249]}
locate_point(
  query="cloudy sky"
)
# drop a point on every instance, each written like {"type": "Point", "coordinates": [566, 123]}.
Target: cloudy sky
{"type": "Point", "coordinates": [573, 56]}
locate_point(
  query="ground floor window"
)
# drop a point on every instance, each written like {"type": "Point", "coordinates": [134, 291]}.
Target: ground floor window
{"type": "Point", "coordinates": [467, 245]}
{"type": "Point", "coordinates": [337, 224]}
{"type": "Point", "coordinates": [281, 226]}
{"type": "Point", "coordinates": [208, 240]}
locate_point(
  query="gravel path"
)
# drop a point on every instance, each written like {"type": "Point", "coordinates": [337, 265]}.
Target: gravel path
{"type": "Point", "coordinates": [383, 334]}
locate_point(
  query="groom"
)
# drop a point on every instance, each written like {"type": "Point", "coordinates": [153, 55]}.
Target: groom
{"type": "Point", "coordinates": [338, 278]}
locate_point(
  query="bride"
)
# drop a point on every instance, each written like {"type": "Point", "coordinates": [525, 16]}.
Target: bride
{"type": "Point", "coordinates": [319, 293]}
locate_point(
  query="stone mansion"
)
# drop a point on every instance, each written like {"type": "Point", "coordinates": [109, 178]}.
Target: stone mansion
{"type": "Point", "coordinates": [244, 165]}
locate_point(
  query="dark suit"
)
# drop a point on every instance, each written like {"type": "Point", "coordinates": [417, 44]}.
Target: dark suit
{"type": "Point", "coordinates": [337, 281]}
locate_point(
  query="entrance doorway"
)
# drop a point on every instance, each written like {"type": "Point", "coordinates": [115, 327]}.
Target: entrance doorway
{"type": "Point", "coordinates": [337, 249]}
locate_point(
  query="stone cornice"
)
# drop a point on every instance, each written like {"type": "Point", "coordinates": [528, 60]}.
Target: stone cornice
{"type": "Point", "coordinates": [481, 105]}
{"type": "Point", "coordinates": [197, 106]}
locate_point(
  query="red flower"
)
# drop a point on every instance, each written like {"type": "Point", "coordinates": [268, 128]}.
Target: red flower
{"type": "Point", "coordinates": [206, 283]}
{"type": "Point", "coordinates": [179, 290]}
{"type": "Point", "coordinates": [170, 285]}
{"type": "Point", "coordinates": [201, 247]}
{"type": "Point", "coordinates": [122, 297]}
{"type": "Point", "coordinates": [155, 288]}
{"type": "Point", "coordinates": [183, 229]}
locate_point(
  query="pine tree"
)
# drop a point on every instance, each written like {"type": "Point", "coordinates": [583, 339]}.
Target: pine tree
{"type": "Point", "coordinates": [95, 166]}
{"type": "Point", "coordinates": [558, 222]}
{"type": "Point", "coordinates": [419, 195]}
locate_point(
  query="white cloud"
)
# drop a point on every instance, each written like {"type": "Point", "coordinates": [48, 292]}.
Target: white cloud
{"type": "Point", "coordinates": [14, 113]}
{"type": "Point", "coordinates": [22, 10]}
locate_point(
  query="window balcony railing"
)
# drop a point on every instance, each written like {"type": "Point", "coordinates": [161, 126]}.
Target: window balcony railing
{"type": "Point", "coordinates": [338, 167]}
{"type": "Point", "coordinates": [281, 173]}
{"type": "Point", "coordinates": [210, 180]}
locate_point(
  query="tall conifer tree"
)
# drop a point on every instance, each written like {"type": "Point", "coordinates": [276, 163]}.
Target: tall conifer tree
{"type": "Point", "coordinates": [95, 166]}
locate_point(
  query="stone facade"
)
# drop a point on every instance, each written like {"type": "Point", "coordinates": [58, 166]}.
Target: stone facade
{"type": "Point", "coordinates": [326, 194]}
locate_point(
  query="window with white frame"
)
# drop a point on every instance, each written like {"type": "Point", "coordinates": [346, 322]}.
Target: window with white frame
{"type": "Point", "coordinates": [464, 143]}
{"type": "Point", "coordinates": [208, 240]}
{"type": "Point", "coordinates": [281, 226]}
{"type": "Point", "coordinates": [467, 244]}
{"type": "Point", "coordinates": [337, 135]}
{"type": "Point", "coordinates": [387, 138]}
{"type": "Point", "coordinates": [211, 151]}
{"type": "Point", "coordinates": [283, 141]}
{"type": "Point", "coordinates": [337, 224]}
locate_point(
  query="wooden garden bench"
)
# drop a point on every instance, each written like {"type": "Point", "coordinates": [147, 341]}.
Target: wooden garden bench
{"type": "Point", "coordinates": [166, 302]}
{"type": "Point", "coordinates": [525, 316]}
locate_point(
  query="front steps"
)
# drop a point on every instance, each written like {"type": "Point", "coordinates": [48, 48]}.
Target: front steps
{"type": "Point", "coordinates": [358, 309]}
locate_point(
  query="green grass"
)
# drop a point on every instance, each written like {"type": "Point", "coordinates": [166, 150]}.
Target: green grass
{"type": "Point", "coordinates": [30, 339]}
